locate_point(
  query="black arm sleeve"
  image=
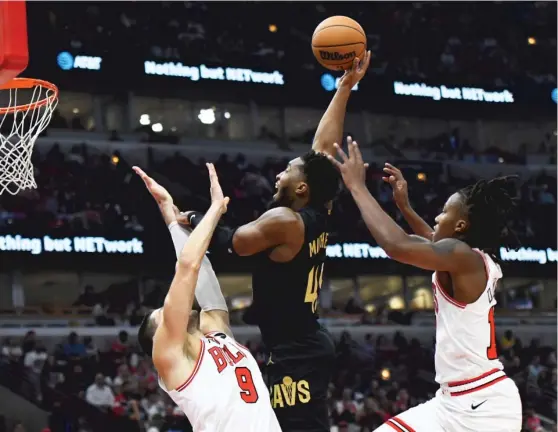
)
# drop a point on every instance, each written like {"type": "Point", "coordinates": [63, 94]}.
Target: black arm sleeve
{"type": "Point", "coordinates": [222, 237]}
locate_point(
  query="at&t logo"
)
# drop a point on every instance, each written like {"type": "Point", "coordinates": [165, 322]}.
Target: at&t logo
{"type": "Point", "coordinates": [330, 83]}
{"type": "Point", "coordinates": [67, 61]}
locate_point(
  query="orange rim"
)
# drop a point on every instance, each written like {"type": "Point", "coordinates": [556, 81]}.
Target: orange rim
{"type": "Point", "coordinates": [27, 83]}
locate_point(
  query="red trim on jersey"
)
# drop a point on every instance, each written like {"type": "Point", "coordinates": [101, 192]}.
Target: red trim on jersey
{"type": "Point", "coordinates": [394, 426]}
{"type": "Point", "coordinates": [472, 380]}
{"type": "Point", "coordinates": [446, 295]}
{"type": "Point", "coordinates": [196, 367]}
{"type": "Point", "coordinates": [402, 423]}
{"type": "Point", "coordinates": [488, 384]}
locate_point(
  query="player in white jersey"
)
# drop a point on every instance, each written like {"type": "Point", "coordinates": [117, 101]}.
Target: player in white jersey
{"type": "Point", "coordinates": [214, 380]}
{"type": "Point", "coordinates": [475, 395]}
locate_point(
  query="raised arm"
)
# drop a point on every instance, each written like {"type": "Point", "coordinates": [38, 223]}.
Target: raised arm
{"type": "Point", "coordinates": [214, 311]}
{"type": "Point", "coordinates": [330, 128]}
{"type": "Point", "coordinates": [170, 336]}
{"type": "Point", "coordinates": [401, 197]}
{"type": "Point", "coordinates": [449, 255]}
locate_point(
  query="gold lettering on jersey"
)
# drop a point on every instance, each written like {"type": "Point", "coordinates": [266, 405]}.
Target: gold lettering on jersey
{"type": "Point", "coordinates": [318, 244]}
{"type": "Point", "coordinates": [290, 392]}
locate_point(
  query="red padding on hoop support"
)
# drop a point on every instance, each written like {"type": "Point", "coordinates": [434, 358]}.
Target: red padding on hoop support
{"type": "Point", "coordinates": [14, 50]}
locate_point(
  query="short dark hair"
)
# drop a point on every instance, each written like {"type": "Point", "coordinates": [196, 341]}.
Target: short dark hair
{"type": "Point", "coordinates": [322, 178]}
{"type": "Point", "coordinates": [489, 205]}
{"type": "Point", "coordinates": [145, 334]}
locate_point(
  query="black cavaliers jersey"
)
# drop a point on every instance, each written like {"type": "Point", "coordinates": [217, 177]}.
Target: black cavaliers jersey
{"type": "Point", "coordinates": [285, 295]}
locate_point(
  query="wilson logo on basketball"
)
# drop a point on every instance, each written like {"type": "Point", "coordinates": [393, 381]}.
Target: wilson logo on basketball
{"type": "Point", "coordinates": [335, 56]}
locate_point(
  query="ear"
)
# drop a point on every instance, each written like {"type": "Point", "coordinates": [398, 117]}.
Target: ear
{"type": "Point", "coordinates": [301, 188]}
{"type": "Point", "coordinates": [461, 226]}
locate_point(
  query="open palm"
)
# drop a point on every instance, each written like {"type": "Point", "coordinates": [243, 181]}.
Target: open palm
{"type": "Point", "coordinates": [161, 195]}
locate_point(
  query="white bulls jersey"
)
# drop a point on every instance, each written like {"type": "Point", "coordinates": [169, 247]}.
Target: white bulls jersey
{"type": "Point", "coordinates": [226, 391]}
{"type": "Point", "coordinates": [465, 333]}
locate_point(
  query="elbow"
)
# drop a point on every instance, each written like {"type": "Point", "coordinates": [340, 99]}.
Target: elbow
{"type": "Point", "coordinates": [394, 251]}
{"type": "Point", "coordinates": [188, 264]}
{"type": "Point", "coordinates": [241, 247]}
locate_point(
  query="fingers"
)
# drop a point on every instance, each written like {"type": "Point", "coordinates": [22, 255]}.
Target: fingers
{"type": "Point", "coordinates": [212, 173]}
{"type": "Point", "coordinates": [367, 59]}
{"type": "Point", "coordinates": [335, 162]}
{"type": "Point", "coordinates": [393, 171]}
{"type": "Point", "coordinates": [354, 152]}
{"type": "Point", "coordinates": [139, 171]}
{"type": "Point", "coordinates": [356, 62]}
{"type": "Point", "coordinates": [341, 153]}
{"type": "Point", "coordinates": [146, 179]}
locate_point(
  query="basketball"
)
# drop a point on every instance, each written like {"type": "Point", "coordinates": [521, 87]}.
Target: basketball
{"type": "Point", "coordinates": [337, 41]}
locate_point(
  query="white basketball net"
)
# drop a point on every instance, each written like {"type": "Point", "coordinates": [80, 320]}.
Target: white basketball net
{"type": "Point", "coordinates": [19, 131]}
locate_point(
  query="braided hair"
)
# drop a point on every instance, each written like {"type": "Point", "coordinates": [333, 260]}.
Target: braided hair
{"type": "Point", "coordinates": [489, 205]}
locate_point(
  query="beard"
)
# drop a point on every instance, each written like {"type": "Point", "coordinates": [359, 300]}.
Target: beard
{"type": "Point", "coordinates": [280, 200]}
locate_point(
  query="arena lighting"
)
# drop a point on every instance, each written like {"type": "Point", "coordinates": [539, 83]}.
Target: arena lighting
{"type": "Point", "coordinates": [145, 120]}
{"type": "Point", "coordinates": [115, 159]}
{"type": "Point", "coordinates": [421, 177]}
{"type": "Point", "coordinates": [272, 28]}
{"type": "Point", "coordinates": [207, 116]}
{"type": "Point", "coordinates": [227, 115]}
{"type": "Point", "coordinates": [157, 127]}
{"type": "Point", "coordinates": [385, 374]}
{"type": "Point", "coordinates": [554, 95]}
{"type": "Point", "coordinates": [75, 110]}
{"type": "Point", "coordinates": [438, 93]}
{"type": "Point", "coordinates": [531, 41]}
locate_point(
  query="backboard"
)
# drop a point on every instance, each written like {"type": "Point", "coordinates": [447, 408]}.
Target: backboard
{"type": "Point", "coordinates": [14, 54]}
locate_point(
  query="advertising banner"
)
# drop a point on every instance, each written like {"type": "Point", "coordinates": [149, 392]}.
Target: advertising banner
{"type": "Point", "coordinates": [82, 71]}
{"type": "Point", "coordinates": [153, 252]}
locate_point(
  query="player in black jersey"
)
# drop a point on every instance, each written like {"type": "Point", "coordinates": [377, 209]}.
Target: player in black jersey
{"type": "Point", "coordinates": [289, 242]}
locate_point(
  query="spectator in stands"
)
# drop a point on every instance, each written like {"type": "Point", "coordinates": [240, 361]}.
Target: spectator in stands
{"type": "Point", "coordinates": [507, 342]}
{"type": "Point", "coordinates": [513, 367]}
{"type": "Point", "coordinates": [91, 350]}
{"type": "Point", "coordinates": [88, 298]}
{"type": "Point", "coordinates": [531, 422]}
{"type": "Point", "coordinates": [74, 349]}
{"type": "Point", "coordinates": [34, 362]}
{"type": "Point", "coordinates": [371, 417]}
{"type": "Point", "coordinates": [75, 381]}
{"type": "Point", "coordinates": [153, 405]}
{"type": "Point", "coordinates": [345, 410]}
{"type": "Point", "coordinates": [18, 427]}
{"type": "Point", "coordinates": [28, 341]}
{"type": "Point", "coordinates": [99, 394]}
{"type": "Point", "coordinates": [535, 368]}
{"type": "Point", "coordinates": [126, 379]}
{"type": "Point", "coordinates": [121, 345]}
{"type": "Point", "coordinates": [11, 351]}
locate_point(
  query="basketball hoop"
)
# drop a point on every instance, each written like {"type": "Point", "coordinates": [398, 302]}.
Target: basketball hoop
{"type": "Point", "coordinates": [26, 107]}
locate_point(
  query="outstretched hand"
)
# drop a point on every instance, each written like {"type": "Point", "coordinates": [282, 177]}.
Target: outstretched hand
{"type": "Point", "coordinates": [353, 169]}
{"type": "Point", "coordinates": [352, 76]}
{"type": "Point", "coordinates": [161, 195]}
{"type": "Point", "coordinates": [398, 184]}
{"type": "Point", "coordinates": [217, 197]}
